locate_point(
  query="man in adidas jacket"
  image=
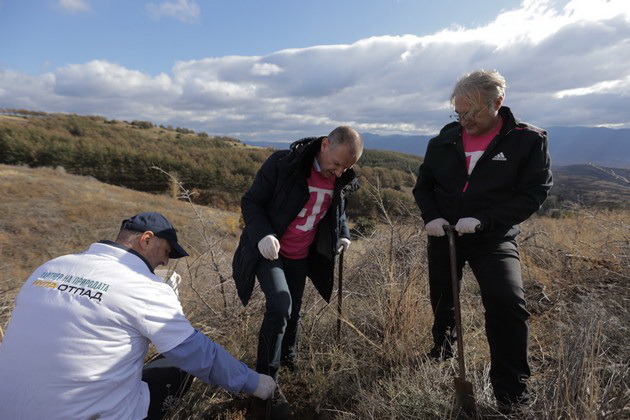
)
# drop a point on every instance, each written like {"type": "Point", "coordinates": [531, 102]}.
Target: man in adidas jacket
{"type": "Point", "coordinates": [81, 328]}
{"type": "Point", "coordinates": [484, 173]}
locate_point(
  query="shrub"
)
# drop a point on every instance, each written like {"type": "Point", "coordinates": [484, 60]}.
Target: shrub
{"type": "Point", "coordinates": [363, 228]}
{"type": "Point", "coordinates": [142, 124]}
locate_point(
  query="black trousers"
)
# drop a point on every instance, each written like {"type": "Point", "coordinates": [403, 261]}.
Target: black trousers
{"type": "Point", "coordinates": [167, 385]}
{"type": "Point", "coordinates": [497, 268]}
{"type": "Point", "coordinates": [282, 281]}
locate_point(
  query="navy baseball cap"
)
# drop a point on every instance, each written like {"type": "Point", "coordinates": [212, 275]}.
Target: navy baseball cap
{"type": "Point", "coordinates": [160, 227]}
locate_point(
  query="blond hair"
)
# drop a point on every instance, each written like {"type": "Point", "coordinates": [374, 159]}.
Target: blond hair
{"type": "Point", "coordinates": [484, 85]}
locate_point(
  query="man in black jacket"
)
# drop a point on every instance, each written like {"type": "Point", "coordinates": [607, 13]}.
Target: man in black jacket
{"type": "Point", "coordinates": [295, 220]}
{"type": "Point", "coordinates": [484, 173]}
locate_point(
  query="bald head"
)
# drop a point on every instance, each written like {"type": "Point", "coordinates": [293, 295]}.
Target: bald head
{"type": "Point", "coordinates": [339, 151]}
{"type": "Point", "coordinates": [349, 137]}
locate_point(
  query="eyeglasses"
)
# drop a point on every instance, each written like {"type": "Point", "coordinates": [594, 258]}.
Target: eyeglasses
{"type": "Point", "coordinates": [468, 115]}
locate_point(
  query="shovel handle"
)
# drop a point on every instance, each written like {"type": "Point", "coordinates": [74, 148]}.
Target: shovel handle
{"type": "Point", "coordinates": [449, 229]}
{"type": "Point", "coordinates": [450, 232]}
{"type": "Point", "coordinates": [463, 388]}
{"type": "Point", "coordinates": [340, 251]}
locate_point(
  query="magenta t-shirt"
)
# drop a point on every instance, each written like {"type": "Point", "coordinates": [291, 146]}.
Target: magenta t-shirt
{"type": "Point", "coordinates": [300, 234]}
{"type": "Point", "coordinates": [474, 146]}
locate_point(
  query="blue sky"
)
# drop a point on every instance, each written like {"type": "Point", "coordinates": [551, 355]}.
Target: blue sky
{"type": "Point", "coordinates": [143, 36]}
{"type": "Point", "coordinates": [282, 69]}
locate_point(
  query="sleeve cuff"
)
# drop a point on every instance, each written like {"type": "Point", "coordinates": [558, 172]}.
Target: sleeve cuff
{"type": "Point", "coordinates": [251, 383]}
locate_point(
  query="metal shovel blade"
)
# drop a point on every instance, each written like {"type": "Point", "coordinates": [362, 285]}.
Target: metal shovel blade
{"type": "Point", "coordinates": [464, 395]}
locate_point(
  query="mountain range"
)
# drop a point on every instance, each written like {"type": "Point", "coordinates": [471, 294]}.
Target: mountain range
{"type": "Point", "coordinates": [567, 145]}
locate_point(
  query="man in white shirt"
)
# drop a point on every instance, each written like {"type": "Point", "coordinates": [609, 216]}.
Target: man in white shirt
{"type": "Point", "coordinates": [82, 324]}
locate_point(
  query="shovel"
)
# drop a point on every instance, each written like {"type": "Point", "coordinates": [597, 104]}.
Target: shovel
{"type": "Point", "coordinates": [464, 395]}
{"type": "Point", "coordinates": [340, 251]}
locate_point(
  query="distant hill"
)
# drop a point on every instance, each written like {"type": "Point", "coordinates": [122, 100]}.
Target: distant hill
{"type": "Point", "coordinates": [600, 146]}
{"type": "Point", "coordinates": [567, 145]}
{"type": "Point", "coordinates": [216, 170]}
{"type": "Point", "coordinates": [591, 185]}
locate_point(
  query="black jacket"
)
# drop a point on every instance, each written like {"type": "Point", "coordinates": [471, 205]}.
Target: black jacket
{"type": "Point", "coordinates": [509, 182]}
{"type": "Point", "coordinates": [273, 201]}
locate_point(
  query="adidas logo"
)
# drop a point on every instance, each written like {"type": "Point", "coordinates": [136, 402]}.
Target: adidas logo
{"type": "Point", "coordinates": [500, 156]}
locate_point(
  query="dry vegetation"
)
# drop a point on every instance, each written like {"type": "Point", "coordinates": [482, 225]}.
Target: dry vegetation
{"type": "Point", "coordinates": [576, 271]}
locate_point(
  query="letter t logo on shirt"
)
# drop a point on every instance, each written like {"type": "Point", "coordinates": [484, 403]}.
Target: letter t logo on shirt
{"type": "Point", "coordinates": [321, 194]}
{"type": "Point", "coordinates": [300, 234]}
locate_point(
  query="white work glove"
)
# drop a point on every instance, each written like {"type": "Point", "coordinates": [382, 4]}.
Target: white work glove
{"type": "Point", "coordinates": [269, 247]}
{"type": "Point", "coordinates": [266, 387]}
{"type": "Point", "coordinates": [467, 225]}
{"type": "Point", "coordinates": [436, 227]}
{"type": "Point", "coordinates": [174, 280]}
{"type": "Point", "coordinates": [345, 243]}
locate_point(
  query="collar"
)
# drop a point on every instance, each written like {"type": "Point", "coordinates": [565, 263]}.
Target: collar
{"type": "Point", "coordinates": [316, 165]}
{"type": "Point", "coordinates": [120, 246]}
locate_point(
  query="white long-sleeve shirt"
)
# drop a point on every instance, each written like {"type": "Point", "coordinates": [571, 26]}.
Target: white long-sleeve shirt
{"type": "Point", "coordinates": [80, 330]}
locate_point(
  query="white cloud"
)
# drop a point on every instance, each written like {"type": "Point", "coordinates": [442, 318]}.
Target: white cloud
{"type": "Point", "coordinates": [566, 63]}
{"type": "Point", "coordinates": [597, 10]}
{"type": "Point", "coordinates": [182, 10]}
{"type": "Point", "coordinates": [75, 5]}
{"type": "Point", "coordinates": [265, 69]}
{"type": "Point", "coordinates": [605, 87]}
{"type": "Point", "coordinates": [103, 79]}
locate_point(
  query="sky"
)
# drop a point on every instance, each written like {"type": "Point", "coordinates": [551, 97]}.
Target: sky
{"type": "Point", "coordinates": [279, 70]}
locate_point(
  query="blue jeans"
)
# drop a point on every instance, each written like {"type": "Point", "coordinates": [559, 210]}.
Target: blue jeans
{"type": "Point", "coordinates": [282, 281]}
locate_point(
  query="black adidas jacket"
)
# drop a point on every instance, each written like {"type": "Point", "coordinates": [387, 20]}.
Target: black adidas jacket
{"type": "Point", "coordinates": [508, 184]}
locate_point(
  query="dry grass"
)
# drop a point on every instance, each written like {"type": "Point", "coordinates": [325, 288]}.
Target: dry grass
{"type": "Point", "coordinates": [576, 272]}
{"type": "Point", "coordinates": [576, 277]}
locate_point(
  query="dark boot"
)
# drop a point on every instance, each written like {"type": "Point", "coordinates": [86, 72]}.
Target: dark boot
{"type": "Point", "coordinates": [258, 409]}
{"type": "Point", "coordinates": [440, 353]}
{"type": "Point", "coordinates": [513, 407]}
{"type": "Point", "coordinates": [280, 407]}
